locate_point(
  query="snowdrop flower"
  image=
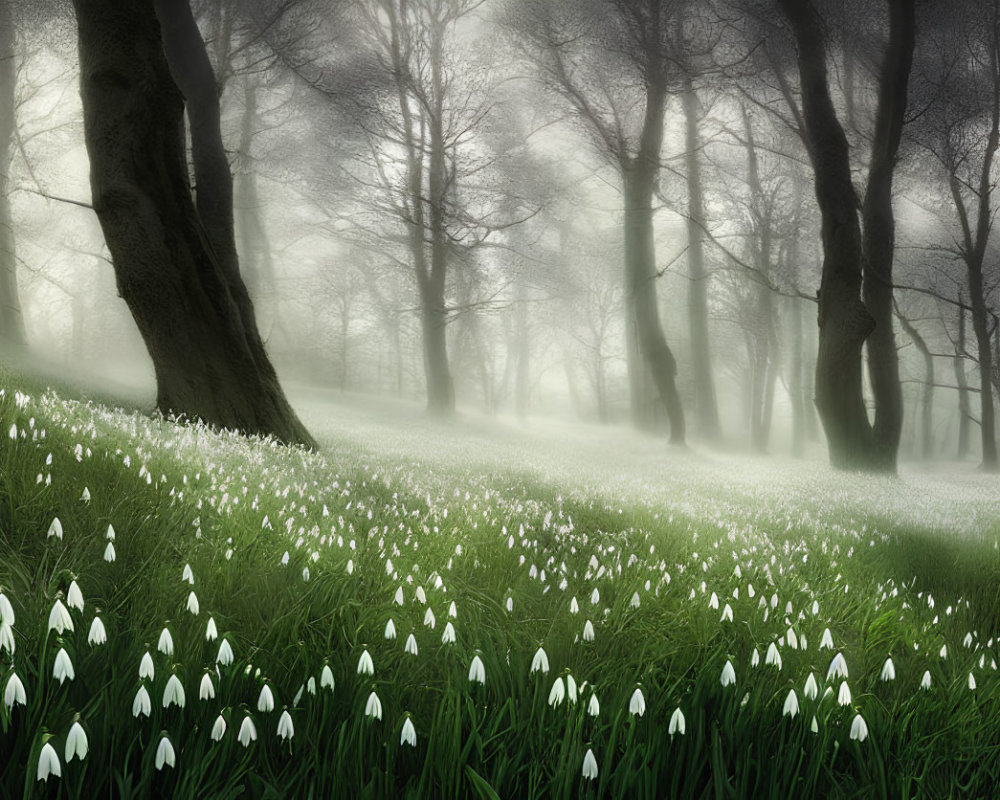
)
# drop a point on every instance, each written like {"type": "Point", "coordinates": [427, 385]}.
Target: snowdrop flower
{"type": "Point", "coordinates": [85, 497]}
{"type": "Point", "coordinates": [888, 670]}
{"type": "Point", "coordinates": [6, 638]}
{"type": "Point", "coordinates": [727, 614]}
{"type": "Point", "coordinates": [63, 668]}
{"type": "Point", "coordinates": [399, 596]}
{"type": "Point", "coordinates": [972, 682]}
{"type": "Point", "coordinates": [452, 610]}
{"type": "Point", "coordinates": [6, 610]}
{"type": "Point", "coordinates": [728, 674]}
{"type": "Point", "coordinates": [165, 755]}
{"type": "Point", "coordinates": [48, 763]}
{"type": "Point", "coordinates": [429, 619]}
{"type": "Point", "coordinates": [510, 605]}
{"type": "Point", "coordinates": [225, 656]}
{"type": "Point", "coordinates": [539, 662]}
{"type": "Point", "coordinates": [74, 597]}
{"type": "Point", "coordinates": [76, 742]}
{"type": "Point", "coordinates": [373, 707]}
{"type": "Point", "coordinates": [477, 672]}
{"type": "Point", "coordinates": [677, 723]}
{"type": "Point", "coordinates": [859, 729]}
{"type": "Point", "coordinates": [558, 693]}
{"type": "Point", "coordinates": [109, 552]}
{"type": "Point", "coordinates": [141, 704]}
{"type": "Point", "coordinates": [792, 639]}
{"type": "Point", "coordinates": [411, 645]}
{"type": "Point", "coordinates": [218, 728]}
{"type": "Point", "coordinates": [59, 618]}
{"type": "Point", "coordinates": [713, 601]}
{"type": "Point", "coordinates": [571, 688]}
{"type": "Point", "coordinates": [146, 670]}
{"type": "Point", "coordinates": [310, 686]}
{"type": "Point", "coordinates": [286, 730]}
{"type": "Point", "coordinates": [637, 703]}
{"type": "Point", "coordinates": [206, 691]}
{"type": "Point", "coordinates": [211, 631]}
{"type": "Point", "coordinates": [14, 692]}
{"type": "Point", "coordinates": [595, 597]}
{"type": "Point", "coordinates": [409, 734]}
{"type": "Point", "coordinates": [248, 732]}
{"type": "Point", "coordinates": [773, 657]}
{"type": "Point", "coordinates": [187, 574]}
{"type": "Point", "coordinates": [635, 602]}
{"type": "Point", "coordinates": [838, 668]}
{"type": "Point", "coordinates": [588, 631]}
{"type": "Point", "coordinates": [791, 707]}
{"type": "Point", "coordinates": [55, 529]}
{"type": "Point", "coordinates": [826, 643]}
{"type": "Point", "coordinates": [110, 535]}
{"type": "Point", "coordinates": [844, 695]}
{"type": "Point", "coordinates": [755, 658]}
{"type": "Point", "coordinates": [593, 707]}
{"type": "Point", "coordinates": [814, 725]}
{"type": "Point", "coordinates": [326, 677]}
{"type": "Point", "coordinates": [173, 692]}
{"type": "Point", "coordinates": [192, 603]}
{"type": "Point", "coordinates": [448, 636]}
{"type": "Point", "coordinates": [166, 643]}
{"type": "Point", "coordinates": [944, 651]}
{"type": "Point", "coordinates": [811, 689]}
{"type": "Point", "coordinates": [925, 681]}
{"type": "Point", "coordinates": [589, 770]}
{"type": "Point", "coordinates": [574, 607]}
{"type": "Point", "coordinates": [265, 701]}
{"type": "Point", "coordinates": [365, 664]}
{"type": "Point", "coordinates": [390, 630]}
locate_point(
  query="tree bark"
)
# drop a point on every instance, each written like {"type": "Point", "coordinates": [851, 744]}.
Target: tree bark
{"type": "Point", "coordinates": [927, 396]}
{"type": "Point", "coordinates": [185, 295]}
{"type": "Point", "coordinates": [12, 330]}
{"type": "Point", "coordinates": [964, 404]}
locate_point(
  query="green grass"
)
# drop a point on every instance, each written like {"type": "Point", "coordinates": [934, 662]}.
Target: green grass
{"type": "Point", "coordinates": [896, 568]}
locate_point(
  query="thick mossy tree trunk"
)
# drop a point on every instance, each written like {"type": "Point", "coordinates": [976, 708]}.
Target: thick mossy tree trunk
{"type": "Point", "coordinates": [175, 264]}
{"type": "Point", "coordinates": [11, 319]}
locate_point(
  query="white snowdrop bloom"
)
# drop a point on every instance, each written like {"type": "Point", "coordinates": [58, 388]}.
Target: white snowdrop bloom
{"type": "Point", "coordinates": [571, 692]}
{"type": "Point", "coordinates": [85, 497]}
{"type": "Point", "coordinates": [677, 722]}
{"type": "Point", "coordinates": [6, 610]}
{"type": "Point", "coordinates": [589, 770]}
{"type": "Point", "coordinates": [803, 644]}
{"type": "Point", "coordinates": [838, 668]}
{"type": "Point", "coordinates": [166, 643]}
{"type": "Point", "coordinates": [811, 689]}
{"type": "Point", "coordinates": [218, 728]}
{"type": "Point", "coordinates": [59, 618]}
{"type": "Point", "coordinates": [192, 603]}
{"type": "Point", "coordinates": [826, 643]}
{"type": "Point", "coordinates": [13, 435]}
{"type": "Point", "coordinates": [74, 597]}
{"type": "Point", "coordinates": [421, 595]}
{"type": "Point", "coordinates": [967, 641]}
{"type": "Point", "coordinates": [728, 674]}
{"type": "Point", "coordinates": [6, 638]}
{"type": "Point", "coordinates": [408, 735]}
{"type": "Point", "coordinates": [925, 681]}
{"type": "Point", "coordinates": [55, 529]}
{"type": "Point", "coordinates": [13, 692]}
{"type": "Point", "coordinates": [286, 729]}
{"type": "Point", "coordinates": [755, 657]}
{"type": "Point", "coordinates": [477, 672]}
{"type": "Point", "coordinates": [225, 655]}
{"type": "Point", "coordinates": [76, 742]}
{"type": "Point", "coordinates": [48, 762]}
{"type": "Point", "coordinates": [390, 629]}
{"type": "Point", "coordinates": [305, 574]}
{"type": "Point", "coordinates": [110, 535]}
{"type": "Point", "coordinates": [350, 567]}
{"type": "Point", "coordinates": [165, 755]}
{"type": "Point", "coordinates": [944, 651]}
{"type": "Point", "coordinates": [815, 608]}
{"type": "Point", "coordinates": [637, 703]}
{"type": "Point", "coordinates": [792, 639]}
{"type": "Point", "coordinates": [141, 704]}
{"type": "Point", "coordinates": [510, 605]}
{"type": "Point", "coordinates": [187, 574]}
{"type": "Point", "coordinates": [373, 707]}
{"type": "Point", "coordinates": [593, 707]}
{"type": "Point", "coordinates": [791, 707]}
{"type": "Point", "coordinates": [814, 725]}
{"type": "Point", "coordinates": [844, 695]}
{"type": "Point", "coordinates": [588, 631]}
{"type": "Point", "coordinates": [211, 631]}
{"type": "Point", "coordinates": [540, 662]}
{"type": "Point", "coordinates": [595, 597]}
{"type": "Point", "coordinates": [448, 636]}
{"type": "Point", "coordinates": [859, 729]}
{"type": "Point", "coordinates": [713, 601]}
{"type": "Point", "coordinates": [557, 693]}
{"type": "Point", "coordinates": [453, 610]}
{"type": "Point", "coordinates": [972, 682]}
{"type": "Point", "coordinates": [411, 645]}
{"type": "Point", "coordinates": [326, 678]}
{"type": "Point", "coordinates": [173, 693]}
{"type": "Point", "coordinates": [248, 732]}
{"type": "Point", "coordinates": [399, 596]}
{"type": "Point", "coordinates": [365, 664]}
{"type": "Point", "coordinates": [727, 614]}
{"type": "Point", "coordinates": [635, 602]}
{"type": "Point", "coordinates": [63, 667]}
{"type": "Point", "coordinates": [773, 657]}
{"type": "Point", "coordinates": [751, 592]}
{"type": "Point", "coordinates": [206, 691]}
{"type": "Point", "coordinates": [265, 700]}
{"type": "Point", "coordinates": [109, 552]}
{"type": "Point", "coordinates": [388, 567]}
{"type": "Point", "coordinates": [429, 619]}
{"type": "Point", "coordinates": [888, 670]}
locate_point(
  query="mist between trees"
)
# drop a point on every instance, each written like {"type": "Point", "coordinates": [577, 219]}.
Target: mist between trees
{"type": "Point", "coordinates": [757, 224]}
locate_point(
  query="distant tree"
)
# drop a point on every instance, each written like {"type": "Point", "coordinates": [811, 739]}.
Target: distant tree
{"type": "Point", "coordinates": [11, 319]}
{"type": "Point", "coordinates": [142, 65]}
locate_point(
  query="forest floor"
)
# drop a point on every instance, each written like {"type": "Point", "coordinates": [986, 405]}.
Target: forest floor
{"type": "Point", "coordinates": [483, 609]}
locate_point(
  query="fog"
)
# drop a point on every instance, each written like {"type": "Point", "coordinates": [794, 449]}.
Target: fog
{"type": "Point", "coordinates": [442, 204]}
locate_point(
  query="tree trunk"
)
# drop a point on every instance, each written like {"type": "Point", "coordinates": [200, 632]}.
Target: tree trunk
{"type": "Point", "coordinates": [927, 397]}
{"type": "Point", "coordinates": [173, 268]}
{"type": "Point", "coordinates": [964, 404]}
{"type": "Point", "coordinates": [522, 335]}
{"type": "Point", "coordinates": [706, 407]}
{"type": "Point", "coordinates": [11, 319]}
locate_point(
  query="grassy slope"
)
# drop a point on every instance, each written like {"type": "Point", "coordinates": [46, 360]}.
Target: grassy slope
{"type": "Point", "coordinates": [896, 568]}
